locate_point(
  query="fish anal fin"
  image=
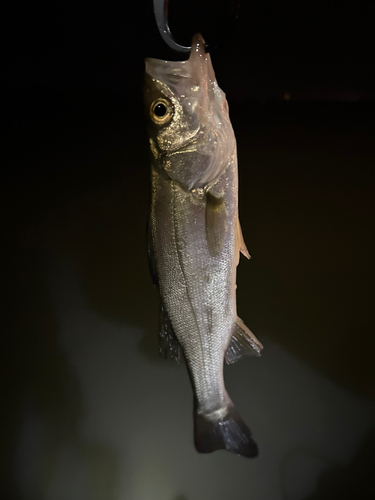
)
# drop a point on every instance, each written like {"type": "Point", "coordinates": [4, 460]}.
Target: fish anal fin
{"type": "Point", "coordinates": [240, 242]}
{"type": "Point", "coordinates": [216, 223]}
{"type": "Point", "coordinates": [242, 343]}
{"type": "Point", "coordinates": [168, 343]}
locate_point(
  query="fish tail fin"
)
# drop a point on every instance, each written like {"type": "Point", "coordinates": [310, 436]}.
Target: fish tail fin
{"type": "Point", "coordinates": [228, 432]}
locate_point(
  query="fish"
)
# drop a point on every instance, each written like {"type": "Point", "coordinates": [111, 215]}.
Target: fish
{"type": "Point", "coordinates": [195, 238]}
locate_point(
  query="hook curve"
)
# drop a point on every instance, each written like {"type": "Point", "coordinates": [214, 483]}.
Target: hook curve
{"type": "Point", "coordinates": [161, 16]}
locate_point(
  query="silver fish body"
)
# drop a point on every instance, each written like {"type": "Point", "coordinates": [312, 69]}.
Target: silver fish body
{"type": "Point", "coordinates": [196, 237]}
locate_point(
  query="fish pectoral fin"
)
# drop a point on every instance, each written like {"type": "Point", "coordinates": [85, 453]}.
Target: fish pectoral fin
{"type": "Point", "coordinates": [242, 343]}
{"type": "Point", "coordinates": [151, 257]}
{"type": "Point", "coordinates": [240, 242]}
{"type": "Point", "coordinates": [216, 223]}
{"type": "Point", "coordinates": [168, 343]}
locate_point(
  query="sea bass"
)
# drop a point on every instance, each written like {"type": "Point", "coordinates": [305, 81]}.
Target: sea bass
{"type": "Point", "coordinates": [195, 238]}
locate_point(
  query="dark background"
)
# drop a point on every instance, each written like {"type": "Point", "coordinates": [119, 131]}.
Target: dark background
{"type": "Point", "coordinates": [312, 49]}
{"type": "Point", "coordinates": [75, 192]}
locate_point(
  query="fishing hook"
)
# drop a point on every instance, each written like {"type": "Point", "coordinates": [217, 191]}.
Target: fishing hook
{"type": "Point", "coordinates": [161, 16]}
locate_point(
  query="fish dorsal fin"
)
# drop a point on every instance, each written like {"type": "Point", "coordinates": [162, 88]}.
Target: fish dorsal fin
{"type": "Point", "coordinates": [216, 223]}
{"type": "Point", "coordinates": [168, 343]}
{"type": "Point", "coordinates": [240, 242]}
{"type": "Point", "coordinates": [243, 343]}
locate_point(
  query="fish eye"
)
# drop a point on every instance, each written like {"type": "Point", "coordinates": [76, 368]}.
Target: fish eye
{"type": "Point", "coordinates": [161, 111]}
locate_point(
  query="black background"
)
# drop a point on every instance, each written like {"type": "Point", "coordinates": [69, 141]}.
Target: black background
{"type": "Point", "coordinates": [311, 48]}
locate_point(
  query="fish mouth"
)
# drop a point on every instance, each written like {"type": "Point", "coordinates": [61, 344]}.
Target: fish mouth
{"type": "Point", "coordinates": [186, 149]}
{"type": "Point", "coordinates": [191, 146]}
{"type": "Point", "coordinates": [182, 75]}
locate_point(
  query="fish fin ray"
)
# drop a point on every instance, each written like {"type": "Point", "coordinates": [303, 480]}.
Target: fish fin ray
{"type": "Point", "coordinates": [240, 242]}
{"type": "Point", "coordinates": [216, 223]}
{"type": "Point", "coordinates": [168, 343]}
{"type": "Point", "coordinates": [226, 433]}
{"type": "Point", "coordinates": [243, 342]}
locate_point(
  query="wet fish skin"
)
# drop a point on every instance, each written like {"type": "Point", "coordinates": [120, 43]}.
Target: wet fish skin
{"type": "Point", "coordinates": [196, 236]}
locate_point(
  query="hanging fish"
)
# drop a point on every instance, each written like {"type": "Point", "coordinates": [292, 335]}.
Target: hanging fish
{"type": "Point", "coordinates": [195, 238]}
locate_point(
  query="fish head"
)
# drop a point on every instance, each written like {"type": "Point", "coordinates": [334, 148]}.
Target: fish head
{"type": "Point", "coordinates": [190, 133]}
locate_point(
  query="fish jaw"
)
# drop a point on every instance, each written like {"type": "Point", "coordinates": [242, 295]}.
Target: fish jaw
{"type": "Point", "coordinates": [194, 77]}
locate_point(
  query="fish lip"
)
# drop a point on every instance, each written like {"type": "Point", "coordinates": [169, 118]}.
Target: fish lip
{"type": "Point", "coordinates": [189, 148]}
{"type": "Point", "coordinates": [186, 149]}
{"type": "Point", "coordinates": [194, 140]}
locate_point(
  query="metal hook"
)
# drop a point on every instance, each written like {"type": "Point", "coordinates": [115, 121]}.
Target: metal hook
{"type": "Point", "coordinates": [161, 16]}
